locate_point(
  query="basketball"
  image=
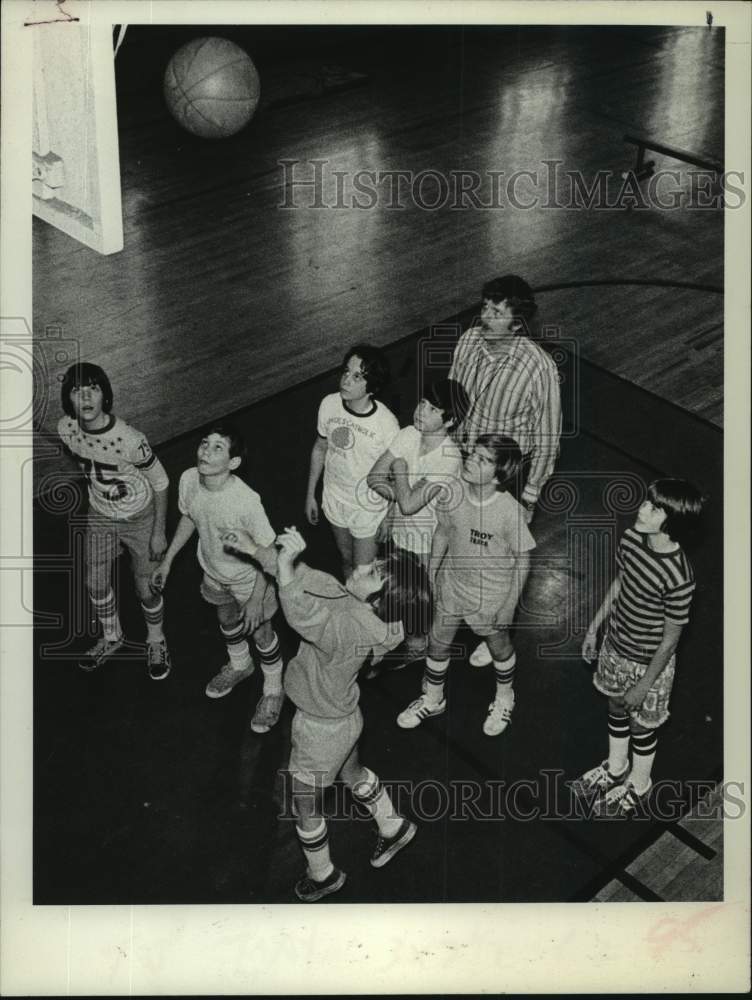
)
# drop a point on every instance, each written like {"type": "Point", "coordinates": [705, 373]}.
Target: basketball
{"type": "Point", "coordinates": [211, 87]}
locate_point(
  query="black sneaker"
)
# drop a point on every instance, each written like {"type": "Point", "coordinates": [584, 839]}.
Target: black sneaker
{"type": "Point", "coordinates": [99, 653]}
{"type": "Point", "coordinates": [387, 847]}
{"type": "Point", "coordinates": [309, 890]}
{"type": "Point", "coordinates": [158, 660]}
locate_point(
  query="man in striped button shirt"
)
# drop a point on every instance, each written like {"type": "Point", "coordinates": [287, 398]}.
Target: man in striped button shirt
{"type": "Point", "coordinates": [512, 383]}
{"type": "Point", "coordinates": [513, 388]}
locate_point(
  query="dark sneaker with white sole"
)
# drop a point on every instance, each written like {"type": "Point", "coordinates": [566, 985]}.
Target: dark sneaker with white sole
{"type": "Point", "coordinates": [309, 890]}
{"type": "Point", "coordinates": [158, 660]}
{"type": "Point", "coordinates": [100, 653]}
{"type": "Point", "coordinates": [387, 847]}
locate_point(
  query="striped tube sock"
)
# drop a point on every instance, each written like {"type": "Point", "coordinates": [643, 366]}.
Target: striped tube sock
{"type": "Point", "coordinates": [618, 743]}
{"type": "Point", "coordinates": [153, 617]}
{"type": "Point", "coordinates": [315, 845]}
{"type": "Point", "coordinates": [434, 676]}
{"type": "Point", "coordinates": [271, 664]}
{"type": "Point", "coordinates": [375, 798]}
{"type": "Point", "coordinates": [237, 647]}
{"type": "Point", "coordinates": [107, 616]}
{"type": "Point", "coordinates": [644, 746]}
{"type": "Point", "coordinates": [504, 673]}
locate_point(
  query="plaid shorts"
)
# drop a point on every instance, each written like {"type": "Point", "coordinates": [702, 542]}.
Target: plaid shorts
{"type": "Point", "coordinates": [615, 674]}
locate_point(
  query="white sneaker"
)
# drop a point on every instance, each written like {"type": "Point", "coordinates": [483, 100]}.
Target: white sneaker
{"type": "Point", "coordinates": [499, 716]}
{"type": "Point", "coordinates": [419, 710]}
{"type": "Point", "coordinates": [481, 656]}
{"type": "Point", "coordinates": [623, 800]}
{"type": "Point", "coordinates": [223, 682]}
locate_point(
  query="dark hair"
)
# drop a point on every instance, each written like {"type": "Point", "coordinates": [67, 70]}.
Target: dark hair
{"type": "Point", "coordinates": [683, 504]}
{"type": "Point", "coordinates": [406, 594]}
{"type": "Point", "coordinates": [448, 395]}
{"type": "Point", "coordinates": [85, 373]}
{"type": "Point", "coordinates": [516, 293]}
{"type": "Point", "coordinates": [374, 364]}
{"type": "Point", "coordinates": [226, 429]}
{"type": "Point", "coordinates": [506, 453]}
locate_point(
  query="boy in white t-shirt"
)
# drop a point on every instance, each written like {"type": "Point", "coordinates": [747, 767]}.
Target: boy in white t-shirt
{"type": "Point", "coordinates": [419, 472]}
{"type": "Point", "coordinates": [353, 430]}
{"type": "Point", "coordinates": [213, 501]}
{"type": "Point", "coordinates": [421, 467]}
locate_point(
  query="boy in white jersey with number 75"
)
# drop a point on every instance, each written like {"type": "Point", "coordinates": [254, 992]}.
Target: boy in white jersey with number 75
{"type": "Point", "coordinates": [127, 487]}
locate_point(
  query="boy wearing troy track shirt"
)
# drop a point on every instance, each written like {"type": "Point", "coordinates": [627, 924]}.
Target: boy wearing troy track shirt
{"type": "Point", "coordinates": [513, 386]}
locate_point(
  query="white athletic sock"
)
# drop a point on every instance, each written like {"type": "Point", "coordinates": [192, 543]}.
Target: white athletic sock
{"type": "Point", "coordinates": [618, 743]}
{"type": "Point", "coordinates": [644, 746]}
{"type": "Point", "coordinates": [105, 609]}
{"type": "Point", "coordinates": [315, 845]}
{"type": "Point", "coordinates": [376, 799]}
{"type": "Point", "coordinates": [154, 617]}
{"type": "Point", "coordinates": [271, 665]}
{"type": "Point", "coordinates": [237, 647]}
{"type": "Point", "coordinates": [435, 676]}
{"type": "Point", "coordinates": [504, 673]}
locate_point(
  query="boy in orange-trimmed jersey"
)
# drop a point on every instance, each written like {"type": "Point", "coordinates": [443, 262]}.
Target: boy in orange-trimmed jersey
{"type": "Point", "coordinates": [127, 488]}
{"type": "Point", "coordinates": [645, 610]}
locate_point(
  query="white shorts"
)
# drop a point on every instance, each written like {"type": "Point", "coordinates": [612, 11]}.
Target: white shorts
{"type": "Point", "coordinates": [220, 594]}
{"type": "Point", "coordinates": [360, 523]}
{"type": "Point", "coordinates": [321, 746]}
{"type": "Point", "coordinates": [480, 611]}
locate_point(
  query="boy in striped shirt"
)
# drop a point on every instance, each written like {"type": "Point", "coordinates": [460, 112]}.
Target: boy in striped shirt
{"type": "Point", "coordinates": [645, 610]}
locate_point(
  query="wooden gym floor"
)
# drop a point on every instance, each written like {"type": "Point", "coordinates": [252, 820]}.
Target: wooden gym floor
{"type": "Point", "coordinates": [222, 303]}
{"type": "Point", "coordinates": [215, 277]}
